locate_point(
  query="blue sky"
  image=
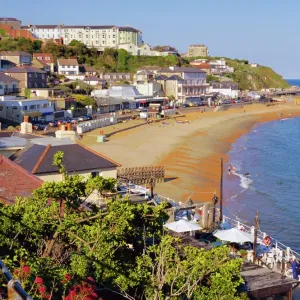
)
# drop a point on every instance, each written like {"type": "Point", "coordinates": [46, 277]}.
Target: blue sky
{"type": "Point", "coordinates": [263, 31]}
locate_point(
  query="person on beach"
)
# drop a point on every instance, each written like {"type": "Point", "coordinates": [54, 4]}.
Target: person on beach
{"type": "Point", "coordinates": [229, 169]}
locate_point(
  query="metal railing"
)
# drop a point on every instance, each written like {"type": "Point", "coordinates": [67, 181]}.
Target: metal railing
{"type": "Point", "coordinates": [261, 235]}
{"type": "Point", "coordinates": [14, 288]}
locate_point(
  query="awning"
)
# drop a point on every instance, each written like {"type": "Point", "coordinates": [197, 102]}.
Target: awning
{"type": "Point", "coordinates": [32, 114]}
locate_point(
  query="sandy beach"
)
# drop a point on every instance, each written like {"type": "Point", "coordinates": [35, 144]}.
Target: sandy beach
{"type": "Point", "coordinates": [190, 152]}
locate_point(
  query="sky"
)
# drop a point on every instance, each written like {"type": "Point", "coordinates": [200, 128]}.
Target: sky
{"type": "Point", "coordinates": [262, 31]}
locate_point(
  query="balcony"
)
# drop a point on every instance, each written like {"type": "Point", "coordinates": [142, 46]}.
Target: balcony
{"type": "Point", "coordinates": [12, 91]}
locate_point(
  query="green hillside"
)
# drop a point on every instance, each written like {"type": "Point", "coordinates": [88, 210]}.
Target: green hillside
{"type": "Point", "coordinates": [250, 78]}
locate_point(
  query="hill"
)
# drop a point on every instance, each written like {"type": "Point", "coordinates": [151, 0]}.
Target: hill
{"type": "Point", "coordinates": [250, 78]}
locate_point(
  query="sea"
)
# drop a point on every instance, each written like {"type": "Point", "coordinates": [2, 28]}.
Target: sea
{"type": "Point", "coordinates": [293, 82]}
{"type": "Point", "coordinates": [267, 179]}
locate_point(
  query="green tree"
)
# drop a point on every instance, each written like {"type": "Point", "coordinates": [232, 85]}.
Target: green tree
{"type": "Point", "coordinates": [123, 57]}
{"type": "Point", "coordinates": [52, 242]}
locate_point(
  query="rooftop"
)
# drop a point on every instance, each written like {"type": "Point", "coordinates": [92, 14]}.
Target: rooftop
{"type": "Point", "coordinates": [43, 56]}
{"type": "Point", "coordinates": [14, 53]}
{"type": "Point", "coordinates": [181, 70]}
{"type": "Point", "coordinates": [175, 77]}
{"type": "Point", "coordinates": [261, 282]}
{"type": "Point", "coordinates": [7, 79]}
{"type": "Point", "coordinates": [67, 61]}
{"type": "Point", "coordinates": [38, 159]}
{"type": "Point", "coordinates": [24, 69]}
{"type": "Point", "coordinates": [9, 19]}
{"type": "Point", "coordinates": [15, 181]}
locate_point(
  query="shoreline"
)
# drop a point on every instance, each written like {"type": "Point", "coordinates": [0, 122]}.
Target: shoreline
{"type": "Point", "coordinates": [190, 152]}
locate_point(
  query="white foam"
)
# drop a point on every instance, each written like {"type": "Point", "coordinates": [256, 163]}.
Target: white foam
{"type": "Point", "coordinates": [245, 180]}
{"type": "Point", "coordinates": [285, 119]}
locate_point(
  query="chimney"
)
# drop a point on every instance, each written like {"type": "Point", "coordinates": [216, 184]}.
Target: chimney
{"type": "Point", "coordinates": [26, 127]}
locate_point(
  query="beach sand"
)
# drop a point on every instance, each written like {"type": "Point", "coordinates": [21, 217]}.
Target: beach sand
{"type": "Point", "coordinates": [191, 153]}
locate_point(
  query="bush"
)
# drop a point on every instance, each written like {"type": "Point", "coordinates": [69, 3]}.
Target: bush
{"type": "Point", "coordinates": [11, 128]}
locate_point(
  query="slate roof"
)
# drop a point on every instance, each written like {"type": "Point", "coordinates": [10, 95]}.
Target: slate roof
{"type": "Point", "coordinates": [14, 53]}
{"type": "Point", "coordinates": [129, 29]}
{"type": "Point", "coordinates": [9, 19]}
{"type": "Point", "coordinates": [15, 181]}
{"type": "Point", "coordinates": [181, 70]}
{"type": "Point", "coordinates": [24, 69]}
{"type": "Point", "coordinates": [38, 159]}
{"type": "Point", "coordinates": [175, 77]}
{"type": "Point", "coordinates": [7, 79]}
{"type": "Point", "coordinates": [161, 77]}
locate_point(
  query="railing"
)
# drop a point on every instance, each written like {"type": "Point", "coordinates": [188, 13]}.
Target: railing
{"type": "Point", "coordinates": [15, 290]}
{"type": "Point", "coordinates": [261, 235]}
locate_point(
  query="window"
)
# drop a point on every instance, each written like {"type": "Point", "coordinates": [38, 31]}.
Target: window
{"type": "Point", "coordinates": [1, 86]}
{"type": "Point", "coordinates": [29, 84]}
{"type": "Point", "coordinates": [63, 66]}
{"type": "Point", "coordinates": [95, 174]}
{"type": "Point", "coordinates": [87, 36]}
{"type": "Point", "coordinates": [38, 106]}
{"type": "Point", "coordinates": [74, 67]}
{"type": "Point", "coordinates": [44, 105]}
{"type": "Point", "coordinates": [32, 107]}
{"type": "Point", "coordinates": [1, 108]}
{"type": "Point", "coordinates": [25, 107]}
{"type": "Point", "coordinates": [29, 75]}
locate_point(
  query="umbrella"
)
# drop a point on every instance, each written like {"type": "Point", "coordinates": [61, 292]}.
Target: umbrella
{"type": "Point", "coordinates": [234, 235]}
{"type": "Point", "coordinates": [183, 226]}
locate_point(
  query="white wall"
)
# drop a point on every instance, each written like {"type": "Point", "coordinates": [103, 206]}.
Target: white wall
{"type": "Point", "coordinates": [68, 70]}
{"type": "Point", "coordinates": [93, 124]}
{"type": "Point", "coordinates": [108, 172]}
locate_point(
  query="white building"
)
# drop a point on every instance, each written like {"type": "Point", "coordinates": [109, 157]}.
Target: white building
{"type": "Point", "coordinates": [99, 37]}
{"type": "Point", "coordinates": [68, 66]}
{"type": "Point", "coordinates": [152, 89]}
{"type": "Point", "coordinates": [228, 89]}
{"type": "Point", "coordinates": [15, 108]}
{"type": "Point", "coordinates": [45, 31]}
{"type": "Point", "coordinates": [219, 67]}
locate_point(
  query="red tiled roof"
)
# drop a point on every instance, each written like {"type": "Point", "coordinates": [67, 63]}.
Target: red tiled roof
{"type": "Point", "coordinates": [203, 66]}
{"type": "Point", "coordinates": [15, 181]}
{"type": "Point", "coordinates": [16, 33]}
{"type": "Point", "coordinates": [44, 57]}
{"type": "Point", "coordinates": [67, 62]}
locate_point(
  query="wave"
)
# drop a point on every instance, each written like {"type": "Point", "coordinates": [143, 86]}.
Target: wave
{"type": "Point", "coordinates": [245, 181]}
{"type": "Point", "coordinates": [285, 119]}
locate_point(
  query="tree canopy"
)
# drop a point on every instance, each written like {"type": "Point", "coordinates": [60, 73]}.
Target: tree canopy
{"type": "Point", "coordinates": [61, 248]}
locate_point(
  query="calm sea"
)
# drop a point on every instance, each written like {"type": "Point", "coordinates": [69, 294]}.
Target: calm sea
{"type": "Point", "coordinates": [293, 82]}
{"type": "Point", "coordinates": [270, 153]}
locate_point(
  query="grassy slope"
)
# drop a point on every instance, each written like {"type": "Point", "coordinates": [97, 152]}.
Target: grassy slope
{"type": "Point", "coordinates": [250, 78]}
